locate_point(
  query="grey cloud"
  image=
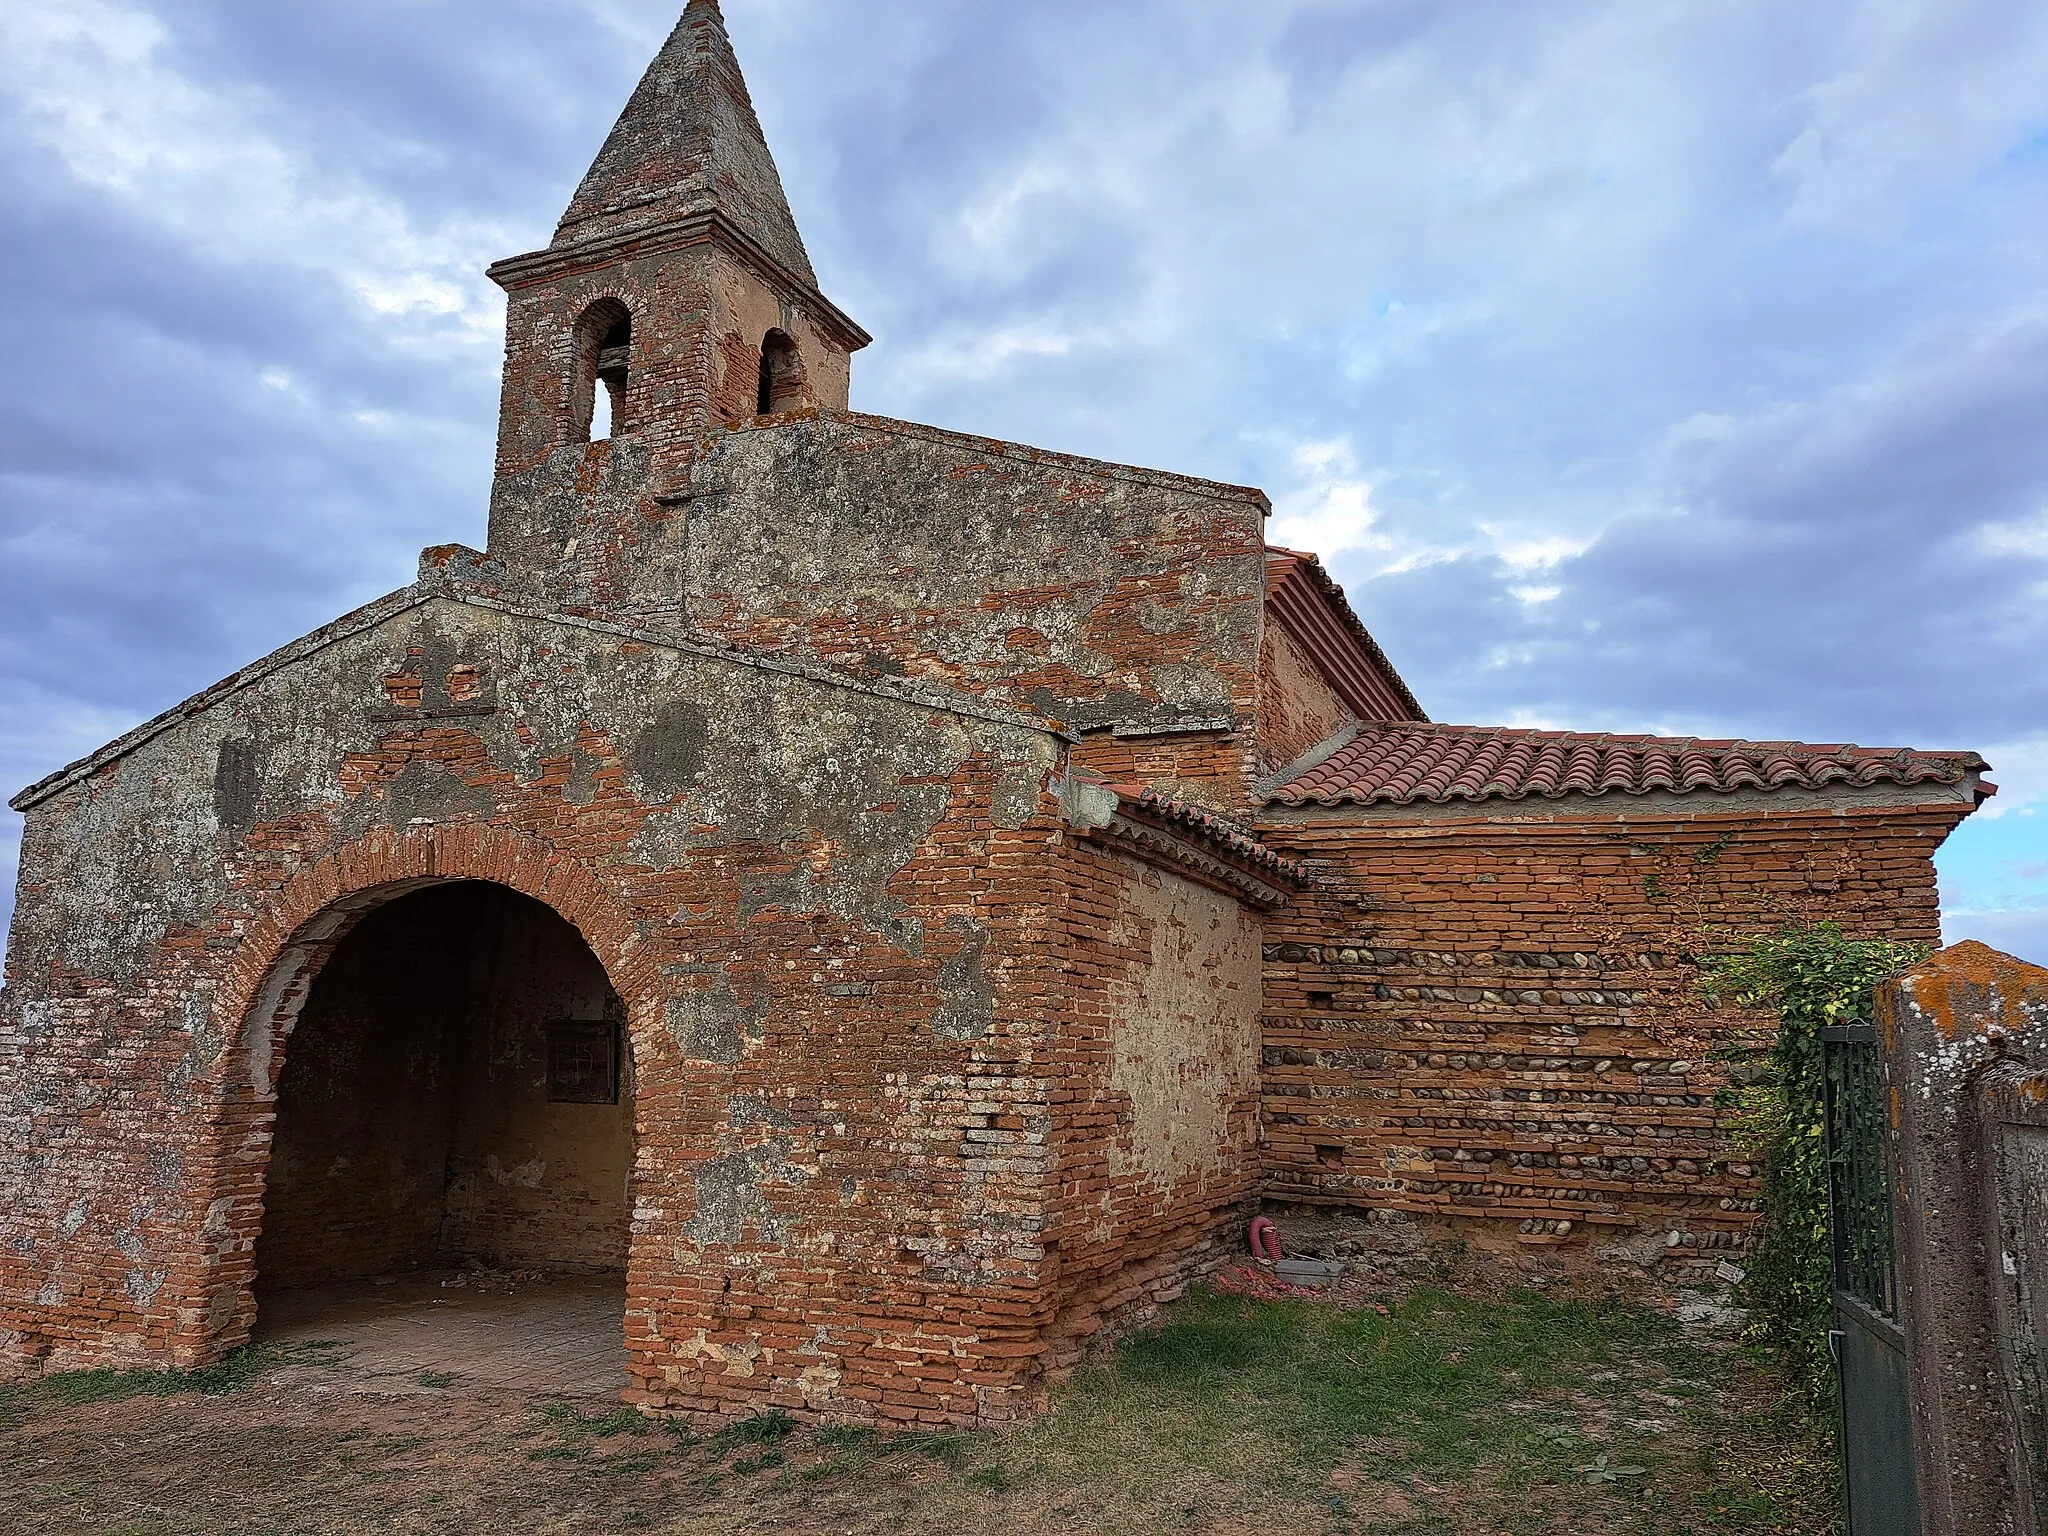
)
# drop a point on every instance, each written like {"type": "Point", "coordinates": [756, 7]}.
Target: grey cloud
{"type": "Point", "coordinates": [1822, 570]}
{"type": "Point", "coordinates": [1536, 266]}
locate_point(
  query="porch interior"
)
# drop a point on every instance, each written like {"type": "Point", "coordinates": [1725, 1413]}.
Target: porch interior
{"type": "Point", "coordinates": [447, 1196]}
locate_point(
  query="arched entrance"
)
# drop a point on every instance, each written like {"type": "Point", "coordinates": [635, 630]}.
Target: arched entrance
{"type": "Point", "coordinates": [450, 1164]}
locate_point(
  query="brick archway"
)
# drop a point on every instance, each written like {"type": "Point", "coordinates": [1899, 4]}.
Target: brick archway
{"type": "Point", "coordinates": [265, 986]}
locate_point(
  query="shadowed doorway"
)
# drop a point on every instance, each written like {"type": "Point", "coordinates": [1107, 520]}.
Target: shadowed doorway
{"type": "Point", "coordinates": [448, 1184]}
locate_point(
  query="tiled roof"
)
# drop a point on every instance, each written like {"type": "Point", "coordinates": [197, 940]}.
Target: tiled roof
{"type": "Point", "coordinates": [1309, 602]}
{"type": "Point", "coordinates": [1404, 764]}
{"type": "Point", "coordinates": [1205, 826]}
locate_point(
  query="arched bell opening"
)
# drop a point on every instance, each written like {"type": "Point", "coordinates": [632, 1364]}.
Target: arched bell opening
{"type": "Point", "coordinates": [599, 396]}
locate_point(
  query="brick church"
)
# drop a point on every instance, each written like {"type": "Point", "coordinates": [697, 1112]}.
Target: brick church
{"type": "Point", "coordinates": [898, 901]}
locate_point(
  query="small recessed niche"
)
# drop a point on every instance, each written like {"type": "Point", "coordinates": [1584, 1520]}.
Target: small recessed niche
{"type": "Point", "coordinates": [1322, 999]}
{"type": "Point", "coordinates": [1330, 1157]}
{"type": "Point", "coordinates": [583, 1062]}
{"type": "Point", "coordinates": [782, 385]}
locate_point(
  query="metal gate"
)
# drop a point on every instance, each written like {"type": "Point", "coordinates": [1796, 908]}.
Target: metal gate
{"type": "Point", "coordinates": [1869, 1348]}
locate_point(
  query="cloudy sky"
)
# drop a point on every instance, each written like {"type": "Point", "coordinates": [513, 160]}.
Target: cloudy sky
{"type": "Point", "coordinates": [1639, 364]}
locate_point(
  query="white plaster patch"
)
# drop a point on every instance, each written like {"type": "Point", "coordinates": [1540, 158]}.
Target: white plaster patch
{"type": "Point", "coordinates": [525, 1175]}
{"type": "Point", "coordinates": [1185, 1026]}
{"type": "Point", "coordinates": [74, 1219]}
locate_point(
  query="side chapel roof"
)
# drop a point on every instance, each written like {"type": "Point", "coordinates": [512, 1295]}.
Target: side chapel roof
{"type": "Point", "coordinates": [1309, 603]}
{"type": "Point", "coordinates": [1441, 764]}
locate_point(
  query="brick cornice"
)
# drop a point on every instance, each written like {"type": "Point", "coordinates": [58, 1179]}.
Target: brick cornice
{"type": "Point", "coordinates": [1151, 842]}
{"type": "Point", "coordinates": [706, 227]}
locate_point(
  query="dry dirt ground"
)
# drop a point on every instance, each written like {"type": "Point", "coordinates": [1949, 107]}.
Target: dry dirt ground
{"type": "Point", "coordinates": [1443, 1413]}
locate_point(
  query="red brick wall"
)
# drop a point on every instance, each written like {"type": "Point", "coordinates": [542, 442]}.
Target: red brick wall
{"type": "Point", "coordinates": [839, 926]}
{"type": "Point", "coordinates": [817, 980]}
{"type": "Point", "coordinates": [699, 317]}
{"type": "Point", "coordinates": [1298, 709]}
{"type": "Point", "coordinates": [1499, 1019]}
{"type": "Point", "coordinates": [1210, 768]}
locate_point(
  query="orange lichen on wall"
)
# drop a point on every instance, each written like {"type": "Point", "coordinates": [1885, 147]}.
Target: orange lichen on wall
{"type": "Point", "coordinates": [1977, 970]}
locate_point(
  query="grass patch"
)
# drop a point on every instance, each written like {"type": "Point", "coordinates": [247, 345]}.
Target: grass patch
{"type": "Point", "coordinates": [571, 1450]}
{"type": "Point", "coordinates": [768, 1428]}
{"type": "Point", "coordinates": [619, 1421]}
{"type": "Point", "coordinates": [994, 1478]}
{"type": "Point", "coordinates": [950, 1448]}
{"type": "Point", "coordinates": [1430, 1384]}
{"type": "Point", "coordinates": [1238, 1404]}
{"type": "Point", "coordinates": [71, 1389]}
{"type": "Point", "coordinates": [847, 1437]}
{"type": "Point", "coordinates": [837, 1466]}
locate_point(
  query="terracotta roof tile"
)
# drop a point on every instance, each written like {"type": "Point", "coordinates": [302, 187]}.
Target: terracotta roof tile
{"type": "Point", "coordinates": [1439, 764]}
{"type": "Point", "coordinates": [1309, 602]}
{"type": "Point", "coordinates": [1205, 826]}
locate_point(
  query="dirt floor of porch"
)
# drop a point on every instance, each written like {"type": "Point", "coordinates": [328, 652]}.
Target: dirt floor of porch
{"type": "Point", "coordinates": [467, 1330]}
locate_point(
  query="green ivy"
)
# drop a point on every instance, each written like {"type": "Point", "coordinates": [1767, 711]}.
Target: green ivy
{"type": "Point", "coordinates": [1811, 976]}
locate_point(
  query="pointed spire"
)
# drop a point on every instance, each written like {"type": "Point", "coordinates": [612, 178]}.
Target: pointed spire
{"type": "Point", "coordinates": [689, 144]}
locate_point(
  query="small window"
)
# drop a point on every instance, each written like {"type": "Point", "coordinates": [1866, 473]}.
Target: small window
{"type": "Point", "coordinates": [614, 355]}
{"type": "Point", "coordinates": [783, 387]}
{"type": "Point", "coordinates": [583, 1062]}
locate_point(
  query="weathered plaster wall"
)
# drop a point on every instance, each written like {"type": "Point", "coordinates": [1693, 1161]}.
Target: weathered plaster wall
{"type": "Point", "coordinates": [529, 1183]}
{"type": "Point", "coordinates": [1298, 708]}
{"type": "Point", "coordinates": [1102, 597]}
{"type": "Point", "coordinates": [829, 914]}
{"type": "Point", "coordinates": [1158, 1155]}
{"type": "Point", "coordinates": [359, 1161]}
{"type": "Point", "coordinates": [744, 310]}
{"type": "Point", "coordinates": [1500, 1019]}
{"type": "Point", "coordinates": [1097, 595]}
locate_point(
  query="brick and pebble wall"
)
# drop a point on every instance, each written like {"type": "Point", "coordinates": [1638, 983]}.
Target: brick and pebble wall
{"type": "Point", "coordinates": [1500, 1019]}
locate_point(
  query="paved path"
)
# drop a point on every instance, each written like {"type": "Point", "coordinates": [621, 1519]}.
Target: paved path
{"type": "Point", "coordinates": [555, 1337]}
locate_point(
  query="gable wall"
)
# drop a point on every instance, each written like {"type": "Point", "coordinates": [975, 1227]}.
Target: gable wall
{"type": "Point", "coordinates": [1298, 708]}
{"type": "Point", "coordinates": [1498, 1019]}
{"type": "Point", "coordinates": [1089, 594]}
{"type": "Point", "coordinates": [829, 916]}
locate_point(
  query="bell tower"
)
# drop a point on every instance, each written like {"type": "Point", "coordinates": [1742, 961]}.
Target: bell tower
{"type": "Point", "coordinates": [676, 292]}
